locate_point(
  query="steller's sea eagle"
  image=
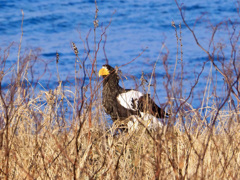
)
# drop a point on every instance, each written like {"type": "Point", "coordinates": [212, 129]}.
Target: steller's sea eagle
{"type": "Point", "coordinates": [122, 103]}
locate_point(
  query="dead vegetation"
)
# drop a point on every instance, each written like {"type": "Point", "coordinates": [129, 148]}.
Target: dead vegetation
{"type": "Point", "coordinates": [63, 133]}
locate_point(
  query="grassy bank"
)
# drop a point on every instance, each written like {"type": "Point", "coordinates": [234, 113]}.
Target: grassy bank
{"type": "Point", "coordinates": [63, 132]}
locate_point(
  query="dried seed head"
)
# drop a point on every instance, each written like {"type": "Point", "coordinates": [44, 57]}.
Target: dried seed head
{"type": "Point", "coordinates": [95, 22]}
{"type": "Point", "coordinates": [57, 57]}
{"type": "Point", "coordinates": [75, 48]}
{"type": "Point", "coordinates": [173, 24]}
{"type": "Point", "coordinates": [96, 13]}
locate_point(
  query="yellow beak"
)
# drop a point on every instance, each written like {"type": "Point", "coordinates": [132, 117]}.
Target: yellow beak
{"type": "Point", "coordinates": [103, 72]}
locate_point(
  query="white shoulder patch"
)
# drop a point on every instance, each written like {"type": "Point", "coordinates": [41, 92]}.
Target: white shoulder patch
{"type": "Point", "coordinates": [129, 99]}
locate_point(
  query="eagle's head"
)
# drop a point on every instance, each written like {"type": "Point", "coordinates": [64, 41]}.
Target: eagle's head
{"type": "Point", "coordinates": [106, 70]}
{"type": "Point", "coordinates": [109, 74]}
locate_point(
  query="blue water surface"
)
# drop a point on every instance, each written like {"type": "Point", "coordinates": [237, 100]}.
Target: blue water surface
{"type": "Point", "coordinates": [135, 26]}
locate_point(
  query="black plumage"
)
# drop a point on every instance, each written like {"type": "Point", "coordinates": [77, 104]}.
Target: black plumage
{"type": "Point", "coordinates": [121, 103]}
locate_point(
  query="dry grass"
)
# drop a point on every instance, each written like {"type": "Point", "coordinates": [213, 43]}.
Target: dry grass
{"type": "Point", "coordinates": [63, 133]}
{"type": "Point", "coordinates": [39, 142]}
{"type": "Point", "coordinates": [49, 151]}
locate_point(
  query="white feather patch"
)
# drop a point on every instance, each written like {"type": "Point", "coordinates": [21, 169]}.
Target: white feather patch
{"type": "Point", "coordinates": [133, 125]}
{"type": "Point", "coordinates": [129, 99]}
{"type": "Point", "coordinates": [147, 120]}
{"type": "Point", "coordinates": [150, 121]}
